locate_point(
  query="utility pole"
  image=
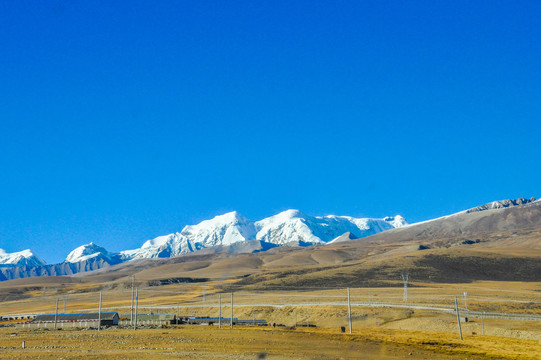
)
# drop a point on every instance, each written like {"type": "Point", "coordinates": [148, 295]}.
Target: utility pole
{"type": "Point", "coordinates": [219, 311]}
{"type": "Point", "coordinates": [136, 304]}
{"type": "Point", "coordinates": [99, 314]}
{"type": "Point", "coordinates": [405, 279]}
{"type": "Point", "coordinates": [231, 325]}
{"type": "Point", "coordinates": [178, 312]}
{"type": "Point", "coordinates": [465, 300]}
{"type": "Point", "coordinates": [483, 323]}
{"type": "Point", "coordinates": [458, 319]}
{"type": "Point", "coordinates": [65, 298]}
{"type": "Point", "coordinates": [132, 298]}
{"type": "Point", "coordinates": [349, 312]}
{"type": "Point", "coordinates": [204, 293]}
{"type": "Point", "coordinates": [56, 314]}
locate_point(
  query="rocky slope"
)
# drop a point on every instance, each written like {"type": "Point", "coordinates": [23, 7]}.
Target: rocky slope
{"type": "Point", "coordinates": [470, 225]}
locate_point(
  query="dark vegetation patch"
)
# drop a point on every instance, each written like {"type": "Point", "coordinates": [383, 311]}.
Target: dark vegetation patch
{"type": "Point", "coordinates": [17, 293]}
{"type": "Point", "coordinates": [436, 268]}
{"type": "Point", "coordinates": [179, 280]}
{"type": "Point", "coordinates": [446, 268]}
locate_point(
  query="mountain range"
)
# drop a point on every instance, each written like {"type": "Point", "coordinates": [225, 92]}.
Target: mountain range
{"type": "Point", "coordinates": [230, 233]}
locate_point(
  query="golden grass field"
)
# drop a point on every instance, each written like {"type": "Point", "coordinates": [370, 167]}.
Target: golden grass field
{"type": "Point", "coordinates": [379, 332]}
{"type": "Point", "coordinates": [200, 342]}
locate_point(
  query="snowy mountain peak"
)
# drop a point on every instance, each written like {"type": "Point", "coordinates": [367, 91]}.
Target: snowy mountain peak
{"type": "Point", "coordinates": [289, 214]}
{"type": "Point", "coordinates": [21, 258]}
{"type": "Point", "coordinates": [396, 221]}
{"type": "Point", "coordinates": [500, 204]}
{"type": "Point", "coordinates": [223, 229]}
{"type": "Point", "coordinates": [287, 227]}
{"type": "Point", "coordinates": [86, 252]}
{"type": "Point", "coordinates": [227, 219]}
{"type": "Point", "coordinates": [295, 226]}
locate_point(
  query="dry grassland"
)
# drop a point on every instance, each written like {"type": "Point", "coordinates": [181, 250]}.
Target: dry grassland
{"type": "Point", "coordinates": [198, 342]}
{"type": "Point", "coordinates": [382, 333]}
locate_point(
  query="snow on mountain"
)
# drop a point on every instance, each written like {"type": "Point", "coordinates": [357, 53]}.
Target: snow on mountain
{"type": "Point", "coordinates": [224, 229]}
{"type": "Point", "coordinates": [86, 252]}
{"type": "Point", "coordinates": [293, 225]}
{"type": "Point", "coordinates": [290, 226]}
{"type": "Point", "coordinates": [21, 258]}
{"type": "Point", "coordinates": [287, 226]}
{"type": "Point", "coordinates": [500, 204]}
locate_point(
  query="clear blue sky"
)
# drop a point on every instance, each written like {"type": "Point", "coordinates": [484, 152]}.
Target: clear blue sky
{"type": "Point", "coordinates": [124, 120]}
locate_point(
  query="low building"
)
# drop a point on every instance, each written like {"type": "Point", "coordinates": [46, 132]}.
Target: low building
{"type": "Point", "coordinates": [107, 318]}
{"type": "Point", "coordinates": [17, 317]}
{"type": "Point", "coordinates": [192, 320]}
{"type": "Point", "coordinates": [150, 317]}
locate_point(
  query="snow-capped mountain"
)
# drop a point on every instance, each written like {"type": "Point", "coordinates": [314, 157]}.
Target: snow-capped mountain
{"type": "Point", "coordinates": [230, 232]}
{"type": "Point", "coordinates": [294, 226]}
{"type": "Point", "coordinates": [86, 252]}
{"type": "Point", "coordinates": [500, 204]}
{"type": "Point", "coordinates": [221, 230]}
{"type": "Point", "coordinates": [21, 258]}
{"type": "Point", "coordinates": [290, 226]}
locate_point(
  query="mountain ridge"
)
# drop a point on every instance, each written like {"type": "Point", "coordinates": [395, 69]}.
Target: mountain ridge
{"type": "Point", "coordinates": [230, 232]}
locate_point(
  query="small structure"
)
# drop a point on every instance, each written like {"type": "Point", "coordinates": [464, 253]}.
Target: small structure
{"type": "Point", "coordinates": [107, 318]}
{"type": "Point", "coordinates": [150, 317]}
{"type": "Point", "coordinates": [192, 320]}
{"type": "Point", "coordinates": [17, 317]}
{"type": "Point", "coordinates": [209, 321]}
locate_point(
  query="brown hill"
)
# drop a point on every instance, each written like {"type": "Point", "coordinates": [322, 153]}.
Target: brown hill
{"type": "Point", "coordinates": [495, 244]}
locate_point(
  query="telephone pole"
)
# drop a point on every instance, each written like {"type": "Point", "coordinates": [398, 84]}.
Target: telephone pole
{"type": "Point", "coordinates": [349, 312]}
{"type": "Point", "coordinates": [56, 314]}
{"type": "Point", "coordinates": [136, 303]}
{"type": "Point", "coordinates": [405, 279]}
{"type": "Point", "coordinates": [132, 298]}
{"type": "Point", "coordinates": [231, 325]}
{"type": "Point", "coordinates": [99, 314]}
{"type": "Point", "coordinates": [219, 311]}
{"type": "Point", "coordinates": [458, 318]}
